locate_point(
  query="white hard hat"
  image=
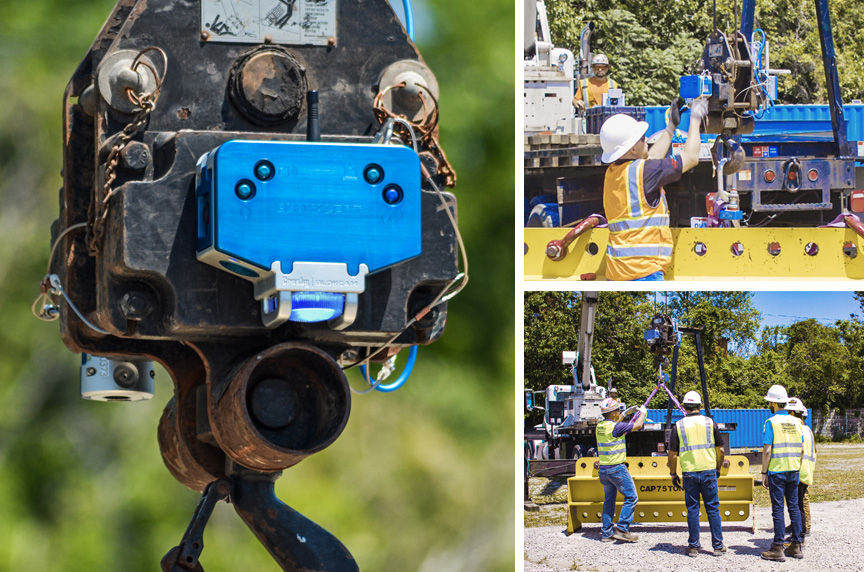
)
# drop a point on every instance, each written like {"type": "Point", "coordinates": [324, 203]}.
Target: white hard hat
{"type": "Point", "coordinates": [599, 60]}
{"type": "Point", "coordinates": [795, 404]}
{"type": "Point", "coordinates": [777, 394]}
{"type": "Point", "coordinates": [618, 135]}
{"type": "Point", "coordinates": [692, 398]}
{"type": "Point", "coordinates": [608, 405]}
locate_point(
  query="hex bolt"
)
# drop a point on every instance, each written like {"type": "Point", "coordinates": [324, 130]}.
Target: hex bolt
{"type": "Point", "coordinates": [135, 156]}
{"type": "Point", "coordinates": [134, 305]}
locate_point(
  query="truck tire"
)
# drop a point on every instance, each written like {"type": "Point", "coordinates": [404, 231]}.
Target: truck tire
{"type": "Point", "coordinates": [536, 200]}
{"type": "Point", "coordinates": [544, 215]}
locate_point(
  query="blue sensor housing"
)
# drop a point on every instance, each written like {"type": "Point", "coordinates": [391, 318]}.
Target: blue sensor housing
{"type": "Point", "coordinates": [693, 86]}
{"type": "Point", "coordinates": [261, 202]}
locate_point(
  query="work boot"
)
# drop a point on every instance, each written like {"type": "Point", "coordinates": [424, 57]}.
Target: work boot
{"type": "Point", "coordinates": [794, 550]}
{"type": "Point", "coordinates": [607, 539]}
{"type": "Point", "coordinates": [719, 551]}
{"type": "Point", "coordinates": [625, 536]}
{"type": "Point", "coordinates": [692, 551]}
{"type": "Point", "coordinates": [776, 553]}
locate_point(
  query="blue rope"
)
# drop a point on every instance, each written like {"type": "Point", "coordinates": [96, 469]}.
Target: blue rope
{"type": "Point", "coordinates": [403, 377]}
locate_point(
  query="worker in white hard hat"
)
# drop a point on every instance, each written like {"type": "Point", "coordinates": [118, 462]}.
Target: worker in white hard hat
{"type": "Point", "coordinates": [781, 461]}
{"type": "Point", "coordinates": [640, 242]}
{"type": "Point", "coordinates": [612, 454]}
{"type": "Point", "coordinates": [592, 89]}
{"type": "Point", "coordinates": [698, 440]}
{"type": "Point", "coordinates": [808, 465]}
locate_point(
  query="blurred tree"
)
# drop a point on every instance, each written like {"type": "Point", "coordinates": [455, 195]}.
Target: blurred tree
{"type": "Point", "coordinates": [82, 484]}
{"type": "Point", "coordinates": [651, 44]}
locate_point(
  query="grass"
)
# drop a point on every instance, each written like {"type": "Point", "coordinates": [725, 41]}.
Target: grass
{"type": "Point", "coordinates": [839, 476]}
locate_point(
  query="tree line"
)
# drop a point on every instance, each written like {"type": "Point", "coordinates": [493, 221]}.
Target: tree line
{"type": "Point", "coordinates": [820, 363]}
{"type": "Point", "coordinates": [650, 43]}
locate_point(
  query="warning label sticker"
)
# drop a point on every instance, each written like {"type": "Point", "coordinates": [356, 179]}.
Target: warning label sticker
{"type": "Point", "coordinates": [293, 22]}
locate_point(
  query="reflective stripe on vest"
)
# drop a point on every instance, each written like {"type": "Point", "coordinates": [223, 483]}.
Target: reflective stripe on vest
{"type": "Point", "coordinates": [696, 437]}
{"type": "Point", "coordinates": [808, 463]}
{"type": "Point", "coordinates": [584, 85]}
{"type": "Point", "coordinates": [610, 450]}
{"type": "Point", "coordinates": [640, 242]}
{"type": "Point", "coordinates": [787, 446]}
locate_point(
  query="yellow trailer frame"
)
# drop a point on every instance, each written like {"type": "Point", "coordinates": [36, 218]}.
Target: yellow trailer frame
{"type": "Point", "coordinates": [712, 253]}
{"type": "Point", "coordinates": [659, 501]}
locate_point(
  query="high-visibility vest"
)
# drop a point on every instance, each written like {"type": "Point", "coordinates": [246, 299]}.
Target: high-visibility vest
{"type": "Point", "coordinates": [610, 450]}
{"type": "Point", "coordinates": [696, 443]}
{"type": "Point", "coordinates": [611, 84]}
{"type": "Point", "coordinates": [787, 446]}
{"type": "Point", "coordinates": [640, 242]}
{"type": "Point", "coordinates": [808, 462]}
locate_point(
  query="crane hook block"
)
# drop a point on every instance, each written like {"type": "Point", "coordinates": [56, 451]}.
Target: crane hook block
{"type": "Point", "coordinates": [305, 222]}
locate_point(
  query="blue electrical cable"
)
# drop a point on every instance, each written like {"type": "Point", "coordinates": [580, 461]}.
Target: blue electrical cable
{"type": "Point", "coordinates": [403, 377]}
{"type": "Point", "coordinates": [409, 18]}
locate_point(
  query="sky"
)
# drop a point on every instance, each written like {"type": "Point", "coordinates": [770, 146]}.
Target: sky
{"type": "Point", "coordinates": [784, 308]}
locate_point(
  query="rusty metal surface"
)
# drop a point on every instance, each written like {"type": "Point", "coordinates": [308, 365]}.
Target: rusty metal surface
{"type": "Point", "coordinates": [320, 399]}
{"type": "Point", "coordinates": [268, 86]}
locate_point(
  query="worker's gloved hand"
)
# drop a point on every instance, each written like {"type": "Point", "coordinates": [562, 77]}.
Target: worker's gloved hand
{"type": "Point", "coordinates": [674, 115]}
{"type": "Point", "coordinates": [723, 196]}
{"type": "Point", "coordinates": [643, 411]}
{"type": "Point", "coordinates": [579, 104]}
{"type": "Point", "coordinates": [699, 109]}
{"type": "Point", "coordinates": [676, 481]}
{"type": "Point", "coordinates": [718, 473]}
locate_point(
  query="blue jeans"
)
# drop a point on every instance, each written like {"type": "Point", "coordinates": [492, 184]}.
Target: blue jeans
{"type": "Point", "coordinates": [784, 486]}
{"type": "Point", "coordinates": [615, 479]}
{"type": "Point", "coordinates": [657, 276]}
{"type": "Point", "coordinates": [703, 483]}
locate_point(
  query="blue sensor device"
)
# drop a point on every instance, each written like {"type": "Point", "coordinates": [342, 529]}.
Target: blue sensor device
{"type": "Point", "coordinates": [307, 217]}
{"type": "Point", "coordinates": [694, 86]}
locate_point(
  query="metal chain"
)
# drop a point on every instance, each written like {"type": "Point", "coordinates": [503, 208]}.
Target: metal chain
{"type": "Point", "coordinates": [100, 208]}
{"type": "Point", "coordinates": [426, 128]}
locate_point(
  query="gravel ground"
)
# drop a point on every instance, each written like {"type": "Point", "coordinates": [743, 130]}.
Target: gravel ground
{"type": "Point", "coordinates": [835, 544]}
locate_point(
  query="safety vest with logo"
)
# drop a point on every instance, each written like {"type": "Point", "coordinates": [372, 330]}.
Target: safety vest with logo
{"type": "Point", "coordinates": [611, 84]}
{"type": "Point", "coordinates": [787, 446]}
{"type": "Point", "coordinates": [696, 442]}
{"type": "Point", "coordinates": [610, 450]}
{"type": "Point", "coordinates": [640, 242]}
{"type": "Point", "coordinates": [808, 463]}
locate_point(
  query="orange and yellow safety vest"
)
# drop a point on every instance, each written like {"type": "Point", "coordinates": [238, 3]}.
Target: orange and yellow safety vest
{"type": "Point", "coordinates": [640, 242]}
{"type": "Point", "coordinates": [594, 96]}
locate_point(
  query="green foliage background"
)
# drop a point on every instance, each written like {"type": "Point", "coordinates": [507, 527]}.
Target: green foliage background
{"type": "Point", "coordinates": [650, 43]}
{"type": "Point", "coordinates": [421, 479]}
{"type": "Point", "coordinates": [821, 364]}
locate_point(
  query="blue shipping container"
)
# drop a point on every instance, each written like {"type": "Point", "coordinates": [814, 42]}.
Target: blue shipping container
{"type": "Point", "coordinates": [750, 422]}
{"type": "Point", "coordinates": [782, 120]}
